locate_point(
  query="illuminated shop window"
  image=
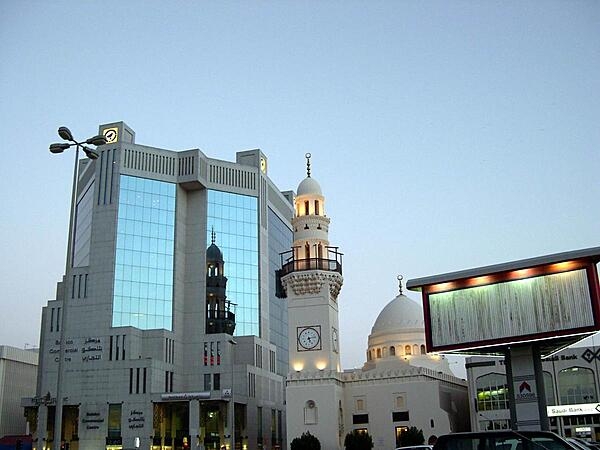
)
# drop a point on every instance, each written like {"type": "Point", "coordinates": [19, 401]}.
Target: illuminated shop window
{"type": "Point", "coordinates": [492, 392]}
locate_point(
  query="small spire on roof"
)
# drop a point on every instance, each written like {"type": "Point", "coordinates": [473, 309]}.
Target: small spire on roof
{"type": "Point", "coordinates": [308, 155]}
{"type": "Point", "coordinates": [212, 235]}
{"type": "Point", "coordinates": [400, 278]}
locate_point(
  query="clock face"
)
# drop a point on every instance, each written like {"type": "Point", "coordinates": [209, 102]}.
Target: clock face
{"type": "Point", "coordinates": [309, 338]}
{"type": "Point", "coordinates": [111, 135]}
{"type": "Point", "coordinates": [263, 165]}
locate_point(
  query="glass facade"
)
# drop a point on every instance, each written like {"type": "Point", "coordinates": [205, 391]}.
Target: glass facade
{"type": "Point", "coordinates": [143, 289]}
{"type": "Point", "coordinates": [280, 240]}
{"type": "Point", "coordinates": [83, 228]}
{"type": "Point", "coordinates": [234, 219]}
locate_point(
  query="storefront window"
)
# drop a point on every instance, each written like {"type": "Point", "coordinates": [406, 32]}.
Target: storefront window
{"type": "Point", "coordinates": [576, 385]}
{"type": "Point", "coordinates": [492, 392]}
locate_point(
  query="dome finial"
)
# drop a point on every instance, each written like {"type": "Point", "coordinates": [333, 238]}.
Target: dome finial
{"type": "Point", "coordinates": [308, 155]}
{"type": "Point", "coordinates": [400, 278]}
{"type": "Point", "coordinates": [212, 235]}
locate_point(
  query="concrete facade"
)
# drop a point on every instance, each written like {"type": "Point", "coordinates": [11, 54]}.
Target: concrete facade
{"type": "Point", "coordinates": [126, 334]}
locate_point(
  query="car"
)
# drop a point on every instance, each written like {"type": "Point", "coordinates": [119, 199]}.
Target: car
{"type": "Point", "coordinates": [503, 440]}
{"type": "Point", "coordinates": [416, 447]}
{"type": "Point", "coordinates": [578, 444]}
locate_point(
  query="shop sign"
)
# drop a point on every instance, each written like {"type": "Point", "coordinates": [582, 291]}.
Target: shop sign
{"type": "Point", "coordinates": [573, 410]}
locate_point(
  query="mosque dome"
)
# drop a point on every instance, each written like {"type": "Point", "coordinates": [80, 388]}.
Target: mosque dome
{"type": "Point", "coordinates": [309, 186]}
{"type": "Point", "coordinates": [213, 253]}
{"type": "Point", "coordinates": [398, 338]}
{"type": "Point", "coordinates": [401, 314]}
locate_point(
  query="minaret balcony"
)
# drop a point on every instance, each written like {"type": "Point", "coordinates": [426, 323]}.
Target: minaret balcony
{"type": "Point", "coordinates": [298, 265]}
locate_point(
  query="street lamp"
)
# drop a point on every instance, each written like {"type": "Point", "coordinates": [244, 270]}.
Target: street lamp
{"type": "Point", "coordinates": [91, 153]}
{"type": "Point", "coordinates": [232, 404]}
{"type": "Point", "coordinates": [59, 147]}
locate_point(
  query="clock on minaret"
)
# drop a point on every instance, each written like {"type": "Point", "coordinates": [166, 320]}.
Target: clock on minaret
{"type": "Point", "coordinates": [309, 338]}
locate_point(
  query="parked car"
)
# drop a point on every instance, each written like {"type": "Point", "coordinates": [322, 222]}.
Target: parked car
{"type": "Point", "coordinates": [503, 440]}
{"type": "Point", "coordinates": [578, 444]}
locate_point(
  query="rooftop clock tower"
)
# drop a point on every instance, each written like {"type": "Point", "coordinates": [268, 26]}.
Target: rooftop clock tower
{"type": "Point", "coordinates": [311, 276]}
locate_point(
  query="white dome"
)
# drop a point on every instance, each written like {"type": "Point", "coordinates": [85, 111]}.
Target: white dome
{"type": "Point", "coordinates": [309, 186]}
{"type": "Point", "coordinates": [399, 315]}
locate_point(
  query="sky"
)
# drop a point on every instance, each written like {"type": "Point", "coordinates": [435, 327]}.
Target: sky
{"type": "Point", "coordinates": [445, 135]}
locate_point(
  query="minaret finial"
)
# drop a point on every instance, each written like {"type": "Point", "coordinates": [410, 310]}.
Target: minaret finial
{"type": "Point", "coordinates": [212, 235]}
{"type": "Point", "coordinates": [308, 155]}
{"type": "Point", "coordinates": [400, 278]}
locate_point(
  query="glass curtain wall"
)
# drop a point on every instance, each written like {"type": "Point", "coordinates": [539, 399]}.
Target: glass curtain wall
{"type": "Point", "coordinates": [234, 219]}
{"type": "Point", "coordinates": [143, 291]}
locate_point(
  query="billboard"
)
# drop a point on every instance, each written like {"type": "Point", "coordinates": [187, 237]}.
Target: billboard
{"type": "Point", "coordinates": [538, 299]}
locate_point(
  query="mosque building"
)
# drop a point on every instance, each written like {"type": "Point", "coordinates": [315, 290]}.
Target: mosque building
{"type": "Point", "coordinates": [399, 386]}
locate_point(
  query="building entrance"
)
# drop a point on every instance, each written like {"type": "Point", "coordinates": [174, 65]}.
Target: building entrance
{"type": "Point", "coordinates": [171, 426]}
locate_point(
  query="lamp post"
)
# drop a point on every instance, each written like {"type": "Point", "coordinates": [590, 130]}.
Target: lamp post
{"type": "Point", "coordinates": [91, 153]}
{"type": "Point", "coordinates": [232, 403]}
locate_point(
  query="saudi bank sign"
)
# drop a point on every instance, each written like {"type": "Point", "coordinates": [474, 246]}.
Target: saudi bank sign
{"type": "Point", "coordinates": [534, 299]}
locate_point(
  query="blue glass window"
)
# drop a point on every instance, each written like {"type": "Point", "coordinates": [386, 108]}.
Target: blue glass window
{"type": "Point", "coordinates": [234, 218]}
{"type": "Point", "coordinates": [143, 291]}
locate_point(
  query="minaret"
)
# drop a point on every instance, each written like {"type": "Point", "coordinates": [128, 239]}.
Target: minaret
{"type": "Point", "coordinates": [219, 318]}
{"type": "Point", "coordinates": [311, 276]}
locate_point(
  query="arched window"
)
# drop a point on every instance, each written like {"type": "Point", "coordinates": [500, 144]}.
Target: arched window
{"type": "Point", "coordinates": [307, 250]}
{"type": "Point", "coordinates": [392, 351]}
{"type": "Point", "coordinates": [492, 392]}
{"type": "Point", "coordinates": [407, 350]}
{"type": "Point", "coordinates": [320, 251]}
{"type": "Point", "coordinates": [379, 353]}
{"type": "Point", "coordinates": [576, 385]}
{"type": "Point", "coordinates": [369, 355]}
{"type": "Point", "coordinates": [415, 349]}
{"type": "Point", "coordinates": [423, 350]}
{"type": "Point", "coordinates": [306, 208]}
{"type": "Point", "coordinates": [317, 207]}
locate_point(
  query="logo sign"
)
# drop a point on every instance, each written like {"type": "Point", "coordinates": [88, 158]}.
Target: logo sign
{"type": "Point", "coordinates": [525, 391]}
{"type": "Point", "coordinates": [111, 135]}
{"type": "Point", "coordinates": [226, 393]}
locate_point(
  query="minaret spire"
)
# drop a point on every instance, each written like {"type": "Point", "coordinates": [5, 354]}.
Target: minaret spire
{"type": "Point", "coordinates": [400, 278]}
{"type": "Point", "coordinates": [308, 155]}
{"type": "Point", "coordinates": [212, 235]}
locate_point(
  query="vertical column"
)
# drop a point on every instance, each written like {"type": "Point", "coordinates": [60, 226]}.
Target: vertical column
{"type": "Point", "coordinates": [194, 423]}
{"type": "Point", "coordinates": [526, 382]}
{"type": "Point", "coordinates": [42, 425]}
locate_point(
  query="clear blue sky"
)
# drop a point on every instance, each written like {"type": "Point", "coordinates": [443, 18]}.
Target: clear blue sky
{"type": "Point", "coordinates": [445, 135]}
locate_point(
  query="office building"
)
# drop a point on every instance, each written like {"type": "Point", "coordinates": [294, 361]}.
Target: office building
{"type": "Point", "coordinates": [167, 314]}
{"type": "Point", "coordinates": [571, 380]}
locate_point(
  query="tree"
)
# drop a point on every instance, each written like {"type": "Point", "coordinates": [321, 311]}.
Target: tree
{"type": "Point", "coordinates": [305, 442]}
{"type": "Point", "coordinates": [412, 436]}
{"type": "Point", "coordinates": [358, 440]}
